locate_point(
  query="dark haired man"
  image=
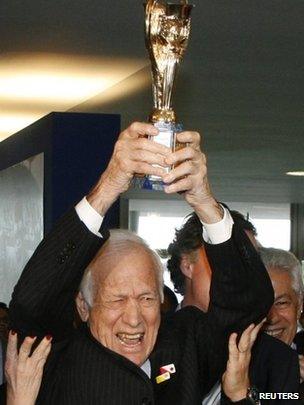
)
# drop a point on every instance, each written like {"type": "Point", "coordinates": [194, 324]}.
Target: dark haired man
{"type": "Point", "coordinates": [185, 251]}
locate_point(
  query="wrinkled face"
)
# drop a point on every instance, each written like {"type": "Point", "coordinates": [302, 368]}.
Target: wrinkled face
{"type": "Point", "coordinates": [283, 316]}
{"type": "Point", "coordinates": [201, 280]}
{"type": "Point", "coordinates": [126, 313]}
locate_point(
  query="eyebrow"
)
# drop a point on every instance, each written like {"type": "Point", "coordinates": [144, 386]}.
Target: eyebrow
{"type": "Point", "coordinates": [126, 295]}
{"type": "Point", "coordinates": [148, 293]}
{"type": "Point", "coordinates": [282, 296]}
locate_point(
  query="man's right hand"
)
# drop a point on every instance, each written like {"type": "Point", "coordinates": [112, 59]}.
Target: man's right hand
{"type": "Point", "coordinates": [133, 153]}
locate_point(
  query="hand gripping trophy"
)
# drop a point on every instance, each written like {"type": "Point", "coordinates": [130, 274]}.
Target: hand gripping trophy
{"type": "Point", "coordinates": [167, 34]}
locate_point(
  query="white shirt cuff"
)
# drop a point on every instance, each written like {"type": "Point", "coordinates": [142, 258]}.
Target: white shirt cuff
{"type": "Point", "coordinates": [218, 232]}
{"type": "Point", "coordinates": [89, 216]}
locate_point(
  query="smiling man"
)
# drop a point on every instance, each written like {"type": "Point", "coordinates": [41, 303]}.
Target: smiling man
{"type": "Point", "coordinates": [286, 276]}
{"type": "Point", "coordinates": [282, 322]}
{"type": "Point", "coordinates": [123, 354]}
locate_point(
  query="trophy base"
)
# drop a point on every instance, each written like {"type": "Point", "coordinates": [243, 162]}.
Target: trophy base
{"type": "Point", "coordinates": [166, 137]}
{"type": "Point", "coordinates": [144, 183]}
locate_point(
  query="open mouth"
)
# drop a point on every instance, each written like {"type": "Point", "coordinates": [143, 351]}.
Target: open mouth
{"type": "Point", "coordinates": [130, 340]}
{"type": "Point", "coordinates": [274, 332]}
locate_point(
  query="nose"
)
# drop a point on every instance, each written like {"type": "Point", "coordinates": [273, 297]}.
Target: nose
{"type": "Point", "coordinates": [132, 315]}
{"type": "Point", "coordinates": [273, 316]}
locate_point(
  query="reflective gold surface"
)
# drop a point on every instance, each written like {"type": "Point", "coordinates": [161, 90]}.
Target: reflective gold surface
{"type": "Point", "coordinates": [167, 34]}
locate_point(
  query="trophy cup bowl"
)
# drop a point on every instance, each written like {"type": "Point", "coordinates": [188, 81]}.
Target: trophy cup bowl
{"type": "Point", "coordinates": [167, 30]}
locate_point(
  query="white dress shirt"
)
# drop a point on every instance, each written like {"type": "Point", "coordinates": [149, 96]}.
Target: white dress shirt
{"type": "Point", "coordinates": [214, 234]}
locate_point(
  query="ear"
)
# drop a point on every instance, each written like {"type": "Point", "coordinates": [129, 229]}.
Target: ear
{"type": "Point", "coordinates": [82, 307]}
{"type": "Point", "coordinates": [186, 266]}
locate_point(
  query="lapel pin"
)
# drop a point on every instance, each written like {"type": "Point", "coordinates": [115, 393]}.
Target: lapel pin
{"type": "Point", "coordinates": [165, 373]}
{"type": "Point", "coordinates": [170, 368]}
{"type": "Point", "coordinates": [163, 377]}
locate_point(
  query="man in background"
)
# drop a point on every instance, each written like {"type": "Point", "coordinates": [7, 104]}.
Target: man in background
{"type": "Point", "coordinates": [273, 367]}
{"type": "Point", "coordinates": [282, 322]}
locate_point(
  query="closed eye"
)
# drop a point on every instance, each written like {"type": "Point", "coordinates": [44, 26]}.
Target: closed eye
{"type": "Point", "coordinates": [147, 300]}
{"type": "Point", "coordinates": [282, 303]}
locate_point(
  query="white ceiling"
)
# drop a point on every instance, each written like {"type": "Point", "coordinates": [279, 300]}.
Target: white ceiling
{"type": "Point", "coordinates": [241, 82]}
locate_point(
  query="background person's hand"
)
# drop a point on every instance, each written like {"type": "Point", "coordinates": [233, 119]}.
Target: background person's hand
{"type": "Point", "coordinates": [301, 365]}
{"type": "Point", "coordinates": [23, 371]}
{"type": "Point", "coordinates": [235, 380]}
{"type": "Point", "coordinates": [133, 154]}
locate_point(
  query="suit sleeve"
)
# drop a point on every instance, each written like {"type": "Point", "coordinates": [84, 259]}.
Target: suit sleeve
{"type": "Point", "coordinates": [240, 293]}
{"type": "Point", "coordinates": [43, 299]}
{"type": "Point", "coordinates": [241, 290]}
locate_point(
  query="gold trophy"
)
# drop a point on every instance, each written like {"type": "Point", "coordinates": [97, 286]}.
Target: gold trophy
{"type": "Point", "coordinates": [167, 35]}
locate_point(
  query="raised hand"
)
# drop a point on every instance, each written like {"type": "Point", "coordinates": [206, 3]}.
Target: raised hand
{"type": "Point", "coordinates": [133, 153]}
{"type": "Point", "coordinates": [235, 380]}
{"type": "Point", "coordinates": [301, 365]}
{"type": "Point", "coordinates": [189, 177]}
{"type": "Point", "coordinates": [24, 370]}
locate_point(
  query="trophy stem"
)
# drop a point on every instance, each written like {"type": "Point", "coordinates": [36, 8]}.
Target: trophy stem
{"type": "Point", "coordinates": [168, 82]}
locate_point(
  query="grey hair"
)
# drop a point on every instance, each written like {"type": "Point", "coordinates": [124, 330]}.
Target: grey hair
{"type": "Point", "coordinates": [287, 262]}
{"type": "Point", "coordinates": [120, 242]}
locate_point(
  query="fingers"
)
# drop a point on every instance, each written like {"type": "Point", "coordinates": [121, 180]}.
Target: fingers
{"type": "Point", "coordinates": [148, 151]}
{"type": "Point", "coordinates": [249, 336]}
{"type": "Point", "coordinates": [152, 146]}
{"type": "Point", "coordinates": [11, 350]}
{"type": "Point", "coordinates": [190, 137]}
{"type": "Point", "coordinates": [184, 169]}
{"type": "Point", "coordinates": [232, 347]}
{"type": "Point", "coordinates": [139, 129]}
{"type": "Point", "coordinates": [147, 169]}
{"type": "Point", "coordinates": [135, 151]}
{"type": "Point", "coordinates": [255, 331]}
{"type": "Point", "coordinates": [301, 364]}
{"type": "Point", "coordinates": [183, 154]}
{"type": "Point", "coordinates": [179, 187]}
{"type": "Point", "coordinates": [25, 348]}
{"type": "Point", "coordinates": [244, 342]}
{"type": "Point", "coordinates": [147, 157]}
{"type": "Point", "coordinates": [42, 350]}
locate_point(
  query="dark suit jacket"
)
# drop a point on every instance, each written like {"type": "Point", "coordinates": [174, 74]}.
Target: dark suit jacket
{"type": "Point", "coordinates": [274, 368]}
{"type": "Point", "coordinates": [299, 342]}
{"type": "Point", "coordinates": [82, 371]}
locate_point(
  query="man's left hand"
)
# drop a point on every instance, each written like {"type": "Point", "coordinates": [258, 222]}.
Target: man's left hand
{"type": "Point", "coordinates": [189, 177]}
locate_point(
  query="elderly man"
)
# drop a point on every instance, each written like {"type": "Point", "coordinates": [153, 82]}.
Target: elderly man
{"type": "Point", "coordinates": [124, 354]}
{"type": "Point", "coordinates": [282, 321]}
{"type": "Point", "coordinates": [274, 366]}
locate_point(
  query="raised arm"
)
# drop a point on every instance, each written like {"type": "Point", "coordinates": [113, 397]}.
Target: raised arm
{"type": "Point", "coordinates": [240, 292]}
{"type": "Point", "coordinates": [43, 299]}
{"type": "Point", "coordinates": [239, 279]}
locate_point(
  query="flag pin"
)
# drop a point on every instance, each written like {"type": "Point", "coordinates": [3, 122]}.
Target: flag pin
{"type": "Point", "coordinates": [163, 377]}
{"type": "Point", "coordinates": [170, 368]}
